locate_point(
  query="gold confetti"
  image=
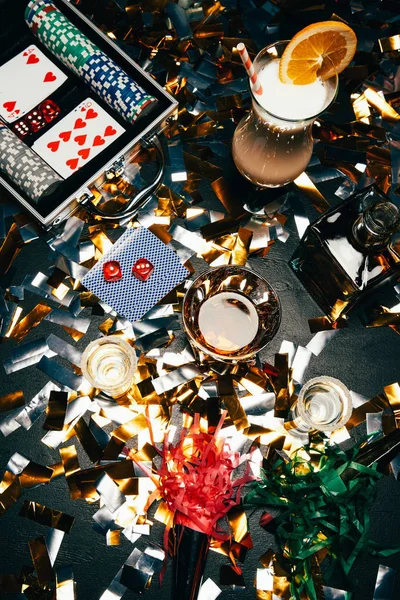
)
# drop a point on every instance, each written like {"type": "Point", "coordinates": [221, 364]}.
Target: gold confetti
{"type": "Point", "coordinates": [41, 560]}
{"type": "Point", "coordinates": [32, 320]}
{"type": "Point", "coordinates": [389, 44]}
{"type": "Point", "coordinates": [46, 516]}
{"type": "Point", "coordinates": [10, 248]}
{"type": "Point", "coordinates": [71, 466]}
{"type": "Point", "coordinates": [379, 103]}
{"type": "Point", "coordinates": [11, 401]}
{"type": "Point", "coordinates": [305, 184]}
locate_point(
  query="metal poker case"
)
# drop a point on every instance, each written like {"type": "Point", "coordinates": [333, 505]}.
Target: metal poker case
{"type": "Point", "coordinates": [17, 32]}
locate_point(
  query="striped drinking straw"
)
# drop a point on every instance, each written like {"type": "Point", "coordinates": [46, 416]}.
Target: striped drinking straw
{"type": "Point", "coordinates": [248, 65]}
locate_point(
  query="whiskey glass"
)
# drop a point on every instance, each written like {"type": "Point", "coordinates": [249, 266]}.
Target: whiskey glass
{"type": "Point", "coordinates": [230, 313]}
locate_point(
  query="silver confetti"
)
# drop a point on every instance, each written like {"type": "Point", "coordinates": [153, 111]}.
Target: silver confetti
{"type": "Point", "coordinates": [64, 349]}
{"type": "Point", "coordinates": [172, 380]}
{"type": "Point", "coordinates": [65, 319]}
{"type": "Point", "coordinates": [29, 413]}
{"type": "Point", "coordinates": [288, 348]}
{"type": "Point", "coordinates": [27, 354]}
{"type": "Point", "coordinates": [300, 363]}
{"type": "Point", "coordinates": [320, 340]}
{"type": "Point", "coordinates": [59, 373]}
{"type": "Point", "coordinates": [384, 583]}
{"type": "Point", "coordinates": [53, 542]}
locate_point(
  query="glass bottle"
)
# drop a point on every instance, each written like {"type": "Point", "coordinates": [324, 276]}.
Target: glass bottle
{"type": "Point", "coordinates": [349, 251]}
{"type": "Point", "coordinates": [271, 151]}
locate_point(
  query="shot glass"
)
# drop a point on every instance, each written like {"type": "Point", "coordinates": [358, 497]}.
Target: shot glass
{"type": "Point", "coordinates": [109, 364]}
{"type": "Point", "coordinates": [324, 404]}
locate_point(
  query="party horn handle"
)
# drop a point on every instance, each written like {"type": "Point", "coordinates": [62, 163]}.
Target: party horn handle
{"type": "Point", "coordinates": [191, 554]}
{"type": "Point", "coordinates": [141, 198]}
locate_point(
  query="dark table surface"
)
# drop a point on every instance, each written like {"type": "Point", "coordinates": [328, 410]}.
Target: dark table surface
{"type": "Point", "coordinates": [366, 360]}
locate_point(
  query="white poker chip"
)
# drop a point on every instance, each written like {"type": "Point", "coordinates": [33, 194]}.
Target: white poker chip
{"type": "Point", "coordinates": [27, 170]}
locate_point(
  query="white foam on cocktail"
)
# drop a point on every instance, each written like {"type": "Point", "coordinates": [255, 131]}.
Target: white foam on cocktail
{"type": "Point", "coordinates": [287, 100]}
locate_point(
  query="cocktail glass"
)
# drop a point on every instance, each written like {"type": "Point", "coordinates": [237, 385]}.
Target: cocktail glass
{"type": "Point", "coordinates": [271, 151]}
{"type": "Point", "coordinates": [230, 313]}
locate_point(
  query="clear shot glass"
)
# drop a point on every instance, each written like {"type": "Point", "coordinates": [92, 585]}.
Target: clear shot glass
{"type": "Point", "coordinates": [324, 404]}
{"type": "Point", "coordinates": [109, 364]}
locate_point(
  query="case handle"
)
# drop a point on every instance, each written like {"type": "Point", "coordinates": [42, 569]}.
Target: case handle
{"type": "Point", "coordinates": [139, 199]}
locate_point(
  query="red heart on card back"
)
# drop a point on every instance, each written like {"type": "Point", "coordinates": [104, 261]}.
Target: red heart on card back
{"type": "Point", "coordinates": [79, 123]}
{"type": "Point", "coordinates": [91, 114]}
{"type": "Point", "coordinates": [65, 135]}
{"type": "Point", "coordinates": [9, 106]}
{"type": "Point", "coordinates": [84, 153]}
{"type": "Point", "coordinates": [32, 59]}
{"type": "Point", "coordinates": [110, 130]}
{"type": "Point", "coordinates": [49, 77]}
{"type": "Point", "coordinates": [98, 141]}
{"type": "Point", "coordinates": [80, 139]}
{"type": "Point", "coordinates": [53, 146]}
{"type": "Point", "coordinates": [72, 163]}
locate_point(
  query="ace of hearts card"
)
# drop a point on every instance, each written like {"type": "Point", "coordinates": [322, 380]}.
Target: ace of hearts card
{"type": "Point", "coordinates": [77, 138]}
{"type": "Point", "coordinates": [26, 80]}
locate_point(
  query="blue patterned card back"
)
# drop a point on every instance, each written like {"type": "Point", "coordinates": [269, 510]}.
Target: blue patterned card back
{"type": "Point", "coordinates": [130, 297]}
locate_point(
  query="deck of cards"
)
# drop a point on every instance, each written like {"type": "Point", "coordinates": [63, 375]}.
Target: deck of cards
{"type": "Point", "coordinates": [26, 80]}
{"type": "Point", "coordinates": [128, 295]}
{"type": "Point", "coordinates": [77, 138]}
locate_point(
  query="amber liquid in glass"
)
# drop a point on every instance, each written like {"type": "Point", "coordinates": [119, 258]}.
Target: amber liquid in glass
{"type": "Point", "coordinates": [270, 153]}
{"type": "Point", "coordinates": [228, 321]}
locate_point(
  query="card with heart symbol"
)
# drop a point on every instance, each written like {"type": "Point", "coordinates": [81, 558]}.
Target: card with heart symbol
{"type": "Point", "coordinates": [77, 138]}
{"type": "Point", "coordinates": [25, 80]}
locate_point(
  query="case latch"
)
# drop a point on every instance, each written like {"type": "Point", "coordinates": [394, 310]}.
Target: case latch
{"type": "Point", "coordinates": [116, 169]}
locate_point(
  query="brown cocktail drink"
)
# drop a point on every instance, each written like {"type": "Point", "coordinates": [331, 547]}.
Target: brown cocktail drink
{"type": "Point", "coordinates": [272, 145]}
{"type": "Point", "coordinates": [291, 84]}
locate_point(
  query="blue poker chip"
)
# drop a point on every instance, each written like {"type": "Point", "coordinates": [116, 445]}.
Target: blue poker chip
{"type": "Point", "coordinates": [84, 58]}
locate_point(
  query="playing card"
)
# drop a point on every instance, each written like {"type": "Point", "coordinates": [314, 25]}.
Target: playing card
{"type": "Point", "coordinates": [26, 80]}
{"type": "Point", "coordinates": [131, 297]}
{"type": "Point", "coordinates": [77, 138]}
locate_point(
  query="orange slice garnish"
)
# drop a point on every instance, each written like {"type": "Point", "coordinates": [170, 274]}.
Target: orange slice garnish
{"type": "Point", "coordinates": [317, 51]}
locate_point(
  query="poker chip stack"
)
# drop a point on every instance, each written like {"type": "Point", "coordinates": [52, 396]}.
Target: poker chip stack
{"type": "Point", "coordinates": [86, 60]}
{"type": "Point", "coordinates": [24, 167]}
{"type": "Point", "coordinates": [114, 86]}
